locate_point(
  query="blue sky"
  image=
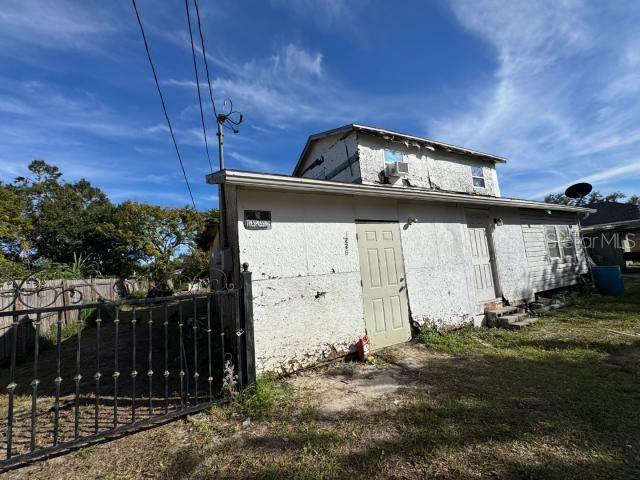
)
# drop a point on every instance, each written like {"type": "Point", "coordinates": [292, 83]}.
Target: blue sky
{"type": "Point", "coordinates": [553, 86]}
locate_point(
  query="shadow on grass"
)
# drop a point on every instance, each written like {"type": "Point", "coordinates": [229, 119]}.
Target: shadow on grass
{"type": "Point", "coordinates": [495, 415]}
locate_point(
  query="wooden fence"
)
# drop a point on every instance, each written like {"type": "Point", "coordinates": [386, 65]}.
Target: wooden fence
{"type": "Point", "coordinates": [54, 293]}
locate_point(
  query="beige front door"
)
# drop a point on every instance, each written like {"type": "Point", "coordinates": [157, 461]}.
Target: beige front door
{"type": "Point", "coordinates": [386, 310]}
{"type": "Point", "coordinates": [481, 259]}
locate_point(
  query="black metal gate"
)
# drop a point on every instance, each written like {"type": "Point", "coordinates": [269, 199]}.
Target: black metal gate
{"type": "Point", "coordinates": [126, 365]}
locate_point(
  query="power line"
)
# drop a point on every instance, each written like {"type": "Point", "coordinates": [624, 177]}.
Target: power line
{"type": "Point", "coordinates": [164, 107]}
{"type": "Point", "coordinates": [206, 63]}
{"type": "Point", "coordinates": [195, 68]}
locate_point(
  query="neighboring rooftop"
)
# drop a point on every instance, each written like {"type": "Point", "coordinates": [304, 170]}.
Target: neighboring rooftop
{"type": "Point", "coordinates": [612, 212]}
{"type": "Point", "coordinates": [403, 137]}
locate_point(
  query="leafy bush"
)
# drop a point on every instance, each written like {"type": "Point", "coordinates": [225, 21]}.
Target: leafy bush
{"type": "Point", "coordinates": [138, 294]}
{"type": "Point", "coordinates": [11, 270]}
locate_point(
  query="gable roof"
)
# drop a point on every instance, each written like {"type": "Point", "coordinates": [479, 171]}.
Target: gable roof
{"type": "Point", "coordinates": [612, 212]}
{"type": "Point", "coordinates": [389, 134]}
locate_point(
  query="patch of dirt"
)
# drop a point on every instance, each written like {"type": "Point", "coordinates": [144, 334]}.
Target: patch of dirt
{"type": "Point", "coordinates": [339, 389]}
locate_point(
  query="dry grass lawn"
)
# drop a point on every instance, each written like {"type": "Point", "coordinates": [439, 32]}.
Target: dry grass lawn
{"type": "Point", "coordinates": [560, 399]}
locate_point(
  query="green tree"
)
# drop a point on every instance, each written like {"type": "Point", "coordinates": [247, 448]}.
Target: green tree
{"type": "Point", "coordinates": [592, 198]}
{"type": "Point", "coordinates": [634, 200]}
{"type": "Point", "coordinates": [559, 198]}
{"type": "Point", "coordinates": [153, 236]}
{"type": "Point", "coordinates": [615, 197]}
{"type": "Point", "coordinates": [15, 225]}
{"type": "Point", "coordinates": [65, 216]}
{"type": "Point", "coordinates": [15, 228]}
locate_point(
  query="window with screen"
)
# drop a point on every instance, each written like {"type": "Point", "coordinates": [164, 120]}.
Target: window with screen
{"type": "Point", "coordinates": [477, 176]}
{"type": "Point", "coordinates": [552, 241]}
{"type": "Point", "coordinates": [392, 156]}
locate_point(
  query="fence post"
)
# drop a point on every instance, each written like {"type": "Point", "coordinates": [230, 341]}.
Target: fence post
{"type": "Point", "coordinates": [247, 318]}
{"type": "Point", "coordinates": [63, 285]}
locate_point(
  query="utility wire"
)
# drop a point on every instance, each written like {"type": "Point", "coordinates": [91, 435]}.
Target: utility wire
{"type": "Point", "coordinates": [206, 64]}
{"type": "Point", "coordinates": [164, 107]}
{"type": "Point", "coordinates": [195, 68]}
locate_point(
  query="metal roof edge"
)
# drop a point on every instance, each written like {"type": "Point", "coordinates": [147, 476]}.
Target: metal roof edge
{"type": "Point", "coordinates": [382, 131]}
{"type": "Point", "coordinates": [377, 130]}
{"type": "Point", "coordinates": [612, 225]}
{"type": "Point", "coordinates": [286, 182]}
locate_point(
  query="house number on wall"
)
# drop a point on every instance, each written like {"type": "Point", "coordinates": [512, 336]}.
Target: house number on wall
{"type": "Point", "coordinates": [346, 244]}
{"type": "Point", "coordinates": [257, 220]}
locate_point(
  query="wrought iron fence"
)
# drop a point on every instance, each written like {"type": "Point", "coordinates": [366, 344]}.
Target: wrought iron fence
{"type": "Point", "coordinates": [125, 365]}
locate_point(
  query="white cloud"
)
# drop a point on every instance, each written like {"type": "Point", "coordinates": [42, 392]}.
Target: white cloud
{"type": "Point", "coordinates": [284, 89]}
{"type": "Point", "coordinates": [599, 177]}
{"type": "Point", "coordinates": [55, 25]}
{"type": "Point", "coordinates": [251, 163]}
{"type": "Point", "coordinates": [159, 127]}
{"type": "Point", "coordinates": [40, 112]}
{"type": "Point", "coordinates": [564, 92]}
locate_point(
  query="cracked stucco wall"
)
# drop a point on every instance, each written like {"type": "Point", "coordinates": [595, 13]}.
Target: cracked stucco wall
{"type": "Point", "coordinates": [427, 168]}
{"type": "Point", "coordinates": [307, 293]}
{"type": "Point", "coordinates": [437, 264]}
{"type": "Point", "coordinates": [371, 154]}
{"type": "Point", "coordinates": [511, 256]}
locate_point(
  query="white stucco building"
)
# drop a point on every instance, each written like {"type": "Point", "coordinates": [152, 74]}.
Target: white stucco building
{"type": "Point", "coordinates": [375, 228]}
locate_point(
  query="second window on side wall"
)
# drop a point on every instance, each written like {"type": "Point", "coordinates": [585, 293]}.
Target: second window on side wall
{"type": "Point", "coordinates": [566, 241]}
{"type": "Point", "coordinates": [559, 242]}
{"type": "Point", "coordinates": [477, 176]}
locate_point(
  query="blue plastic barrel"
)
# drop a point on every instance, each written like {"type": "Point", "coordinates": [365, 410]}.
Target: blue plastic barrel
{"type": "Point", "coordinates": [608, 280]}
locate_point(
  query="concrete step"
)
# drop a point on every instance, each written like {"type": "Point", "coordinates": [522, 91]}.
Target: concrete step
{"type": "Point", "coordinates": [493, 316]}
{"type": "Point", "coordinates": [517, 321]}
{"type": "Point", "coordinates": [502, 311]}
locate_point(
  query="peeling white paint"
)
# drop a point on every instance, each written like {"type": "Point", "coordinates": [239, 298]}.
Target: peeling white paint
{"type": "Point", "coordinates": [511, 256]}
{"type": "Point", "coordinates": [307, 286]}
{"type": "Point", "coordinates": [427, 168]}
{"type": "Point", "coordinates": [307, 293]}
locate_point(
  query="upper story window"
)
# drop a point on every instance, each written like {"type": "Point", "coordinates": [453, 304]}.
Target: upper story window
{"type": "Point", "coordinates": [392, 156]}
{"type": "Point", "coordinates": [560, 242]}
{"type": "Point", "coordinates": [477, 175]}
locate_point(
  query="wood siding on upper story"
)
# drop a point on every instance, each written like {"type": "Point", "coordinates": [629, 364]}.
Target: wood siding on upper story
{"type": "Point", "coordinates": [546, 273]}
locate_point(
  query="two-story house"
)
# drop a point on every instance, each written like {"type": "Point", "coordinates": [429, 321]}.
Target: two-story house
{"type": "Point", "coordinates": [377, 228]}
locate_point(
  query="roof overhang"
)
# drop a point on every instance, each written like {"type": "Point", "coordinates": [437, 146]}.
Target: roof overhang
{"type": "Point", "coordinates": [622, 226]}
{"type": "Point", "coordinates": [263, 181]}
{"type": "Point", "coordinates": [391, 135]}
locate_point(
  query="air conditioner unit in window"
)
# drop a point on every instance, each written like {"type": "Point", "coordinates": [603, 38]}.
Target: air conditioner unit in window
{"type": "Point", "coordinates": [396, 169]}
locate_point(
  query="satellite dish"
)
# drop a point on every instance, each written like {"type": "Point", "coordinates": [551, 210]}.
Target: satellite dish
{"type": "Point", "coordinates": [578, 190]}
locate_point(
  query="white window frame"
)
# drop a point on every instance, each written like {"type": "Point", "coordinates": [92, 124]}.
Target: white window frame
{"type": "Point", "coordinates": [395, 152]}
{"type": "Point", "coordinates": [562, 243]}
{"type": "Point", "coordinates": [561, 248]}
{"type": "Point", "coordinates": [474, 177]}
